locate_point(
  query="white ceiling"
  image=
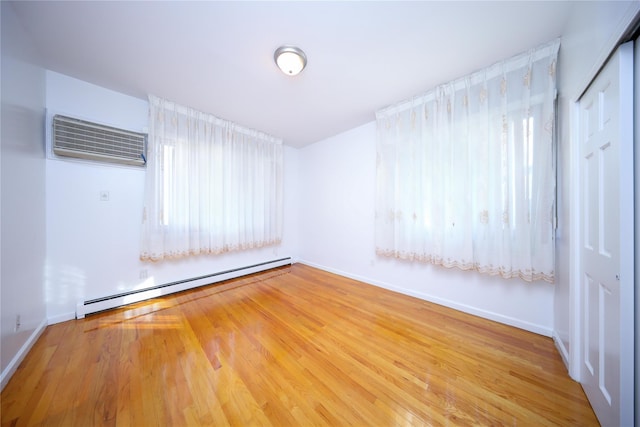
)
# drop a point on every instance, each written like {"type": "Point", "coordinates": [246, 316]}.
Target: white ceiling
{"type": "Point", "coordinates": [218, 56]}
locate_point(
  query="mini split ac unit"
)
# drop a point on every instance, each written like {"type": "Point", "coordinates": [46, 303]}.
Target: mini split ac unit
{"type": "Point", "coordinates": [86, 140]}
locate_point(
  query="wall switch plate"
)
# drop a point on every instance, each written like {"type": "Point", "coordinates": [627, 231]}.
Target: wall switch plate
{"type": "Point", "coordinates": [104, 196]}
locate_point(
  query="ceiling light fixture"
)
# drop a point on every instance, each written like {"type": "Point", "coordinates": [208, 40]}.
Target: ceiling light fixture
{"type": "Point", "coordinates": [290, 59]}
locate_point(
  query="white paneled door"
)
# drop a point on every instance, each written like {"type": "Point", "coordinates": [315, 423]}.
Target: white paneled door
{"type": "Point", "coordinates": [607, 271]}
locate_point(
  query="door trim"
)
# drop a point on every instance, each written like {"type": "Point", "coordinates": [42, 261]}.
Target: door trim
{"type": "Point", "coordinates": [636, 143]}
{"type": "Point", "coordinates": [627, 251]}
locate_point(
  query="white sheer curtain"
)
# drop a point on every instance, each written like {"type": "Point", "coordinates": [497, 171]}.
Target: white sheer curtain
{"type": "Point", "coordinates": [466, 174]}
{"type": "Point", "coordinates": [211, 186]}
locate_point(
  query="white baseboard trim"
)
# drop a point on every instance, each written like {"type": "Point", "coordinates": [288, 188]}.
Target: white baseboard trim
{"type": "Point", "coordinates": [59, 318]}
{"type": "Point", "coordinates": [561, 349]}
{"type": "Point", "coordinates": [12, 367]}
{"type": "Point", "coordinates": [511, 321]}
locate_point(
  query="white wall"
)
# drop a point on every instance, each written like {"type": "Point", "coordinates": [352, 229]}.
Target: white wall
{"type": "Point", "coordinates": [92, 245]}
{"type": "Point", "coordinates": [22, 194]}
{"type": "Point", "coordinates": [590, 35]}
{"type": "Point", "coordinates": [337, 231]}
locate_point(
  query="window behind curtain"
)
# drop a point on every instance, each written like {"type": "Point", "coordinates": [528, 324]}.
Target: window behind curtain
{"type": "Point", "coordinates": [465, 173]}
{"type": "Point", "coordinates": [211, 186]}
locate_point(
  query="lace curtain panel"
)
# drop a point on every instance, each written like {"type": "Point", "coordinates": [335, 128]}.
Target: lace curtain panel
{"type": "Point", "coordinates": [211, 186]}
{"type": "Point", "coordinates": [465, 173]}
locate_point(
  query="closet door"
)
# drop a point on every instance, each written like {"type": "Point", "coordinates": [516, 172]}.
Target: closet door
{"type": "Point", "coordinates": [607, 237]}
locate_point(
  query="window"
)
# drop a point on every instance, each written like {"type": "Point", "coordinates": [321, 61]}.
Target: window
{"type": "Point", "coordinates": [212, 186]}
{"type": "Point", "coordinates": [465, 173]}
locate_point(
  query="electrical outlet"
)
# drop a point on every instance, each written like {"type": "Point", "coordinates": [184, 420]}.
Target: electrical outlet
{"type": "Point", "coordinates": [17, 328]}
{"type": "Point", "coordinates": [144, 274]}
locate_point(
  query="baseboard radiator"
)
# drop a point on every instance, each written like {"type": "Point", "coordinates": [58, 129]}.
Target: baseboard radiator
{"type": "Point", "coordinates": [118, 300]}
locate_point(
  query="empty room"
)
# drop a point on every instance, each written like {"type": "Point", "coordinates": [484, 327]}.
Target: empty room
{"type": "Point", "coordinates": [303, 213]}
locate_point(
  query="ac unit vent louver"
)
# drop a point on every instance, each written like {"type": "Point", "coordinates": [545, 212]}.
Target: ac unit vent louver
{"type": "Point", "coordinates": [86, 140]}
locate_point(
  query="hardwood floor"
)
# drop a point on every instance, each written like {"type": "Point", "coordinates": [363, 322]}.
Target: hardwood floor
{"type": "Point", "coordinates": [291, 346]}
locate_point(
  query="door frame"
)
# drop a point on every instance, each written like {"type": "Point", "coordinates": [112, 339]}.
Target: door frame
{"type": "Point", "coordinates": [636, 160]}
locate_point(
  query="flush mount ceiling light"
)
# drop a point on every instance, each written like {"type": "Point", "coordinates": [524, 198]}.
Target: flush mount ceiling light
{"type": "Point", "coordinates": [290, 59]}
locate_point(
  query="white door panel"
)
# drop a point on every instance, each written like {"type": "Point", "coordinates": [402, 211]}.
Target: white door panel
{"type": "Point", "coordinates": [606, 152]}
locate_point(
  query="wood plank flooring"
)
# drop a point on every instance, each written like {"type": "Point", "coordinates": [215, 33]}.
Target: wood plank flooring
{"type": "Point", "coordinates": [293, 346]}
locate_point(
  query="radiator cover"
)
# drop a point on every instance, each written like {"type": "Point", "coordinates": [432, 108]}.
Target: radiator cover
{"type": "Point", "coordinates": [112, 301]}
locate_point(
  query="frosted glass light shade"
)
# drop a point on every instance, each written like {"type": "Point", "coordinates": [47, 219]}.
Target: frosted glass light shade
{"type": "Point", "coordinates": [290, 59]}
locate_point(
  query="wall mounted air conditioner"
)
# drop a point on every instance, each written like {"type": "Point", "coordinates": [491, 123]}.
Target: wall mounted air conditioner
{"type": "Point", "coordinates": [85, 140]}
